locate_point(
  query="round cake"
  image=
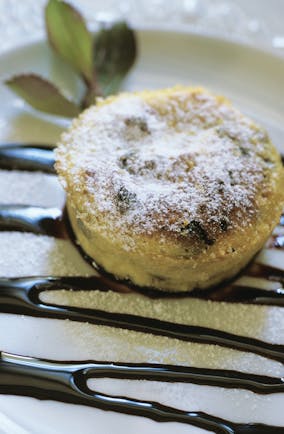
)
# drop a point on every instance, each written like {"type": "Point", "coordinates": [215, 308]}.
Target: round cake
{"type": "Point", "coordinates": [172, 189]}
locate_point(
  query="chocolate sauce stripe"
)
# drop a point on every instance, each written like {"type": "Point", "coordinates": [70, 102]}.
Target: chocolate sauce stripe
{"type": "Point", "coordinates": [209, 377]}
{"type": "Point", "coordinates": [48, 381]}
{"type": "Point", "coordinates": [155, 372]}
{"type": "Point", "coordinates": [230, 293]}
{"type": "Point", "coordinates": [23, 297]}
{"type": "Point", "coordinates": [271, 272]}
{"type": "Point", "coordinates": [249, 295]}
{"type": "Point", "coordinates": [235, 293]}
{"type": "Point", "coordinates": [27, 157]}
{"type": "Point", "coordinates": [35, 219]}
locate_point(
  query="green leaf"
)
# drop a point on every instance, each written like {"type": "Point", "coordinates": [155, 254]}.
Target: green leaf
{"type": "Point", "coordinates": [42, 95]}
{"type": "Point", "coordinates": [115, 53]}
{"type": "Point", "coordinates": [68, 34]}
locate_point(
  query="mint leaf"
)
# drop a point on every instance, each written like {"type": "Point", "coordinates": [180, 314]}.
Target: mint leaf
{"type": "Point", "coordinates": [42, 95]}
{"type": "Point", "coordinates": [115, 52]}
{"type": "Point", "coordinates": [69, 36]}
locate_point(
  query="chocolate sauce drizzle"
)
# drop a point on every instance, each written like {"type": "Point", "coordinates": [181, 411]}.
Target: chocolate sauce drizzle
{"type": "Point", "coordinates": [35, 219]}
{"type": "Point", "coordinates": [27, 157]}
{"type": "Point", "coordinates": [229, 379]}
{"type": "Point", "coordinates": [22, 296]}
{"type": "Point", "coordinates": [67, 381]}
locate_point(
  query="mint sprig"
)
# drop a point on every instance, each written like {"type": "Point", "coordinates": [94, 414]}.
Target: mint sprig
{"type": "Point", "coordinates": [101, 61]}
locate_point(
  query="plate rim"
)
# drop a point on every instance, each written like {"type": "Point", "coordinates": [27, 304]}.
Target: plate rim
{"type": "Point", "coordinates": [165, 29]}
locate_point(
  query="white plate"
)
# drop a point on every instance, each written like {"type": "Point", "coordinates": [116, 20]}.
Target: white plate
{"type": "Point", "coordinates": [254, 81]}
{"type": "Point", "coordinates": [252, 78]}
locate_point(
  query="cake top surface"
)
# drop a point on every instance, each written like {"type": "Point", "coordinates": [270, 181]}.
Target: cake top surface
{"type": "Point", "coordinates": [181, 162]}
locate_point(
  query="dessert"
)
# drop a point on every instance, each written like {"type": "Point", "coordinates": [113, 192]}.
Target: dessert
{"type": "Point", "coordinates": [77, 353]}
{"type": "Point", "coordinates": [197, 366]}
{"type": "Point", "coordinates": [172, 189]}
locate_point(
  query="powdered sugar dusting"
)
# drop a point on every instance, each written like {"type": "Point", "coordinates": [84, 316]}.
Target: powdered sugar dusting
{"type": "Point", "coordinates": [182, 163]}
